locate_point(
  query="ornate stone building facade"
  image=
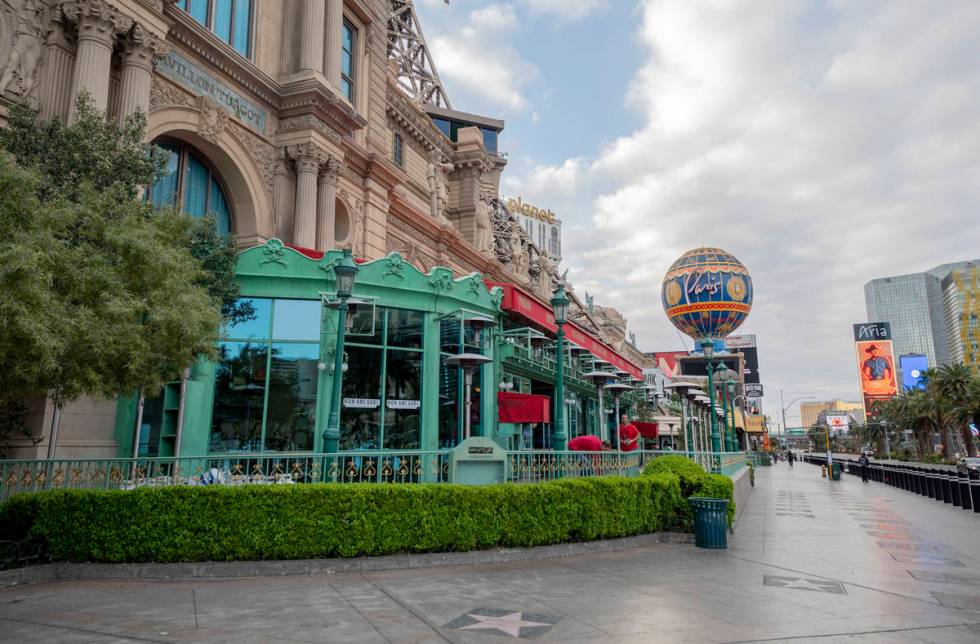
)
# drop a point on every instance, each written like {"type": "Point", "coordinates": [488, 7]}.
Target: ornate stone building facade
{"type": "Point", "coordinates": [293, 119]}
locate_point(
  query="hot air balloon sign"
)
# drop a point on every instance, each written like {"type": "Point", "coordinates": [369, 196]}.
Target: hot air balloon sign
{"type": "Point", "coordinates": [707, 293]}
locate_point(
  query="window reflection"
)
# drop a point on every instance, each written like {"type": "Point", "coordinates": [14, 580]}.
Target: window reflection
{"type": "Point", "coordinates": [360, 412]}
{"type": "Point", "coordinates": [297, 320]}
{"type": "Point", "coordinates": [291, 408]}
{"type": "Point", "coordinates": [403, 399]}
{"type": "Point", "coordinates": [236, 423]}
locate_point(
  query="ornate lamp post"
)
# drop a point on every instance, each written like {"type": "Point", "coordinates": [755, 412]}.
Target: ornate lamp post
{"type": "Point", "coordinates": [708, 347]}
{"type": "Point", "coordinates": [345, 272]}
{"type": "Point", "coordinates": [559, 303]}
{"type": "Point", "coordinates": [730, 388]}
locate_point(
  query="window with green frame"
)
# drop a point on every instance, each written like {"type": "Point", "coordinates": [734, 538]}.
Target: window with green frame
{"type": "Point", "coordinates": [265, 397]}
{"type": "Point", "coordinates": [457, 336]}
{"type": "Point", "coordinates": [381, 405]}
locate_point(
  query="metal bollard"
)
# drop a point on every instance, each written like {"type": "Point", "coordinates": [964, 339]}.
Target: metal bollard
{"type": "Point", "coordinates": [964, 483]}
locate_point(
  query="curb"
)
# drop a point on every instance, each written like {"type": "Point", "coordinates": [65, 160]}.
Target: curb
{"type": "Point", "coordinates": [237, 569]}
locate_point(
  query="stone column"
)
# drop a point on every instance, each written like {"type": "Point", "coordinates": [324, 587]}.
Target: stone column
{"type": "Point", "coordinates": [308, 159]}
{"type": "Point", "coordinates": [311, 36]}
{"type": "Point", "coordinates": [98, 25]}
{"type": "Point", "coordinates": [56, 74]}
{"type": "Point", "coordinates": [334, 41]}
{"type": "Point", "coordinates": [141, 53]}
{"type": "Point", "coordinates": [326, 207]}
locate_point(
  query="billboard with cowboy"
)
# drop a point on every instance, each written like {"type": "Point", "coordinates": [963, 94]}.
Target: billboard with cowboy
{"type": "Point", "coordinates": [876, 364]}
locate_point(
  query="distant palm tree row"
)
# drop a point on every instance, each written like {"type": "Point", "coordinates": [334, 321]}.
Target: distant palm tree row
{"type": "Point", "coordinates": [947, 405]}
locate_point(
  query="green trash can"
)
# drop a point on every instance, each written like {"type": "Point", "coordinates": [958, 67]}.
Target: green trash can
{"type": "Point", "coordinates": [710, 522]}
{"type": "Point", "coordinates": [835, 474]}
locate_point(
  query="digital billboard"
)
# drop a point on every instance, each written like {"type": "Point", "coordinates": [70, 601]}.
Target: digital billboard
{"type": "Point", "coordinates": [876, 363]}
{"type": "Point", "coordinates": [740, 342]}
{"type": "Point", "coordinates": [839, 422]}
{"type": "Point", "coordinates": [913, 367]}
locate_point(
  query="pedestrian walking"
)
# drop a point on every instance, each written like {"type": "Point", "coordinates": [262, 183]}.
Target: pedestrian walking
{"type": "Point", "coordinates": [864, 462]}
{"type": "Point", "coordinates": [791, 457]}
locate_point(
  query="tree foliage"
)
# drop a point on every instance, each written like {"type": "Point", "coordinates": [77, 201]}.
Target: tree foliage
{"type": "Point", "coordinates": [100, 293]}
{"type": "Point", "coordinates": [947, 405]}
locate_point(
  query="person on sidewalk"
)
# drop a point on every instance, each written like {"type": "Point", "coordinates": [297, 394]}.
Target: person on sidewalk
{"type": "Point", "coordinates": [592, 465]}
{"type": "Point", "coordinates": [629, 435]}
{"type": "Point", "coordinates": [864, 462]}
{"type": "Point", "coordinates": [791, 457]}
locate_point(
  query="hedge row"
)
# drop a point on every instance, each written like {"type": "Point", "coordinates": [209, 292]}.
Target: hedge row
{"type": "Point", "coordinates": [254, 522]}
{"type": "Point", "coordinates": [694, 481]}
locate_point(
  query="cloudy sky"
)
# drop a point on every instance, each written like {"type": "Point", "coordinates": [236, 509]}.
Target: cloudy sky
{"type": "Point", "coordinates": [822, 143]}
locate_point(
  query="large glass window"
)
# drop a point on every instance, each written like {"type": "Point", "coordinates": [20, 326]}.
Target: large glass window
{"type": "Point", "coordinates": [347, 66]}
{"type": "Point", "coordinates": [266, 383]}
{"type": "Point", "coordinates": [191, 186]}
{"type": "Point", "coordinates": [230, 20]}
{"type": "Point", "coordinates": [457, 336]}
{"type": "Point", "coordinates": [382, 389]}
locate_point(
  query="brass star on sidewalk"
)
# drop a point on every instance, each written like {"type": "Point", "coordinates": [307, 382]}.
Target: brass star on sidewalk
{"type": "Point", "coordinates": [511, 624]}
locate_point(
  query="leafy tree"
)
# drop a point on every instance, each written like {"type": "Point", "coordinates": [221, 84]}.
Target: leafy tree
{"type": "Point", "coordinates": [98, 296]}
{"type": "Point", "coordinates": [952, 385]}
{"type": "Point", "coordinates": [102, 154]}
{"type": "Point", "coordinates": [100, 293]}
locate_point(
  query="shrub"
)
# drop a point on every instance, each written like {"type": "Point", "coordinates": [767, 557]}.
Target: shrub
{"type": "Point", "coordinates": [253, 522]}
{"type": "Point", "coordinates": [694, 481]}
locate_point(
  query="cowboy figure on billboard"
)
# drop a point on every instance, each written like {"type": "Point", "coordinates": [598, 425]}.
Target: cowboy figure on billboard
{"type": "Point", "coordinates": [876, 367]}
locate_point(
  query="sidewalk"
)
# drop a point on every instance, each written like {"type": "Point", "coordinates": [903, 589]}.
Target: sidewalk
{"type": "Point", "coordinates": [813, 560]}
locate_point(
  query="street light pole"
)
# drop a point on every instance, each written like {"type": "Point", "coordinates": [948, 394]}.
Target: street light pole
{"type": "Point", "coordinates": [345, 272]}
{"type": "Point", "coordinates": [559, 303]}
{"type": "Point", "coordinates": [730, 386]}
{"type": "Point", "coordinates": [783, 409]}
{"type": "Point", "coordinates": [708, 347]}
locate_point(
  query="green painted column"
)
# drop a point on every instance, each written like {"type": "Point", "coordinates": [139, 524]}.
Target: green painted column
{"type": "Point", "coordinates": [559, 437]}
{"type": "Point", "coordinates": [431, 364]}
{"type": "Point", "coordinates": [713, 417]}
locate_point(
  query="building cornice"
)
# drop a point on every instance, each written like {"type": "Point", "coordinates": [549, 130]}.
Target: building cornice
{"type": "Point", "coordinates": [186, 32]}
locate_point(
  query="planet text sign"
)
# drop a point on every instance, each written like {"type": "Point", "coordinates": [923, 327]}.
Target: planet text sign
{"type": "Point", "coordinates": [876, 364]}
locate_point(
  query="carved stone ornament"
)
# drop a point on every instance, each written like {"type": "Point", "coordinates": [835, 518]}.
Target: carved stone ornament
{"type": "Point", "coordinates": [96, 19]}
{"type": "Point", "coordinates": [262, 152]}
{"type": "Point", "coordinates": [21, 54]}
{"type": "Point", "coordinates": [163, 94]}
{"type": "Point", "coordinates": [213, 120]}
{"type": "Point", "coordinates": [307, 122]}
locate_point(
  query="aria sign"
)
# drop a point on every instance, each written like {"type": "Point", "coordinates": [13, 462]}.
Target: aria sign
{"type": "Point", "coordinates": [872, 331]}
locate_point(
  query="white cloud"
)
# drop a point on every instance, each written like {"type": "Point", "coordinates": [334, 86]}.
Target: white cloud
{"type": "Point", "coordinates": [567, 10]}
{"type": "Point", "coordinates": [823, 144]}
{"type": "Point", "coordinates": [479, 58]}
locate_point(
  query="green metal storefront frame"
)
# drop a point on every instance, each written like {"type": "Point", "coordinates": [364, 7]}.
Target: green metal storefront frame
{"type": "Point", "coordinates": [274, 270]}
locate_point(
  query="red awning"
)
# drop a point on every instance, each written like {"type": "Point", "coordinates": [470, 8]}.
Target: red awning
{"type": "Point", "coordinates": [529, 307]}
{"type": "Point", "coordinates": [647, 430]}
{"type": "Point", "coordinates": [523, 408]}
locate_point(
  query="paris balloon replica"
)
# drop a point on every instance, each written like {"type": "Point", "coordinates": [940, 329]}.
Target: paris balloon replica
{"type": "Point", "coordinates": [707, 294]}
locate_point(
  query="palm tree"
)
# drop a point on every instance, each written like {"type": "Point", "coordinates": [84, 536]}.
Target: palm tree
{"type": "Point", "coordinates": [951, 388]}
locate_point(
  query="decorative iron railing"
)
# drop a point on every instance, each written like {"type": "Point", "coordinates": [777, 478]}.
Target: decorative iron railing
{"type": "Point", "coordinates": [343, 467]}
{"type": "Point", "coordinates": [239, 469]}
{"type": "Point", "coordinates": [548, 465]}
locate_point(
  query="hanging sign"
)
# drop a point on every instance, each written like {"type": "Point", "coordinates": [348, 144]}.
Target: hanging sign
{"type": "Point", "coordinates": [362, 403]}
{"type": "Point", "coordinates": [402, 404]}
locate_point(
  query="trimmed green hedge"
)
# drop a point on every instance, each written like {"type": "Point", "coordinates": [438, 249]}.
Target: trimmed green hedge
{"type": "Point", "coordinates": [254, 522]}
{"type": "Point", "coordinates": [694, 481]}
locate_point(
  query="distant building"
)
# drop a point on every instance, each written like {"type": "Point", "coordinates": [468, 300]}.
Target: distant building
{"type": "Point", "coordinates": [914, 306]}
{"type": "Point", "coordinates": [810, 412]}
{"type": "Point", "coordinates": [961, 300]}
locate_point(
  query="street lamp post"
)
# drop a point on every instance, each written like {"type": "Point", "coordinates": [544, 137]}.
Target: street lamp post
{"type": "Point", "coordinates": [783, 411]}
{"type": "Point", "coordinates": [730, 388]}
{"type": "Point", "coordinates": [345, 271]}
{"type": "Point", "coordinates": [708, 347]}
{"type": "Point", "coordinates": [559, 303]}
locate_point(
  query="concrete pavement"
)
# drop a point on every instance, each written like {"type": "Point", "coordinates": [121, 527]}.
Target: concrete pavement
{"type": "Point", "coordinates": [812, 560]}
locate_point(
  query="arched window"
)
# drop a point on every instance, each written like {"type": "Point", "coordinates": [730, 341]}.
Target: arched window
{"type": "Point", "coordinates": [191, 185]}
